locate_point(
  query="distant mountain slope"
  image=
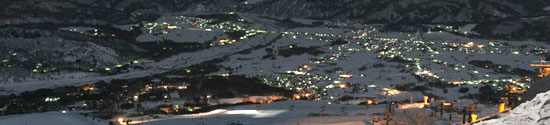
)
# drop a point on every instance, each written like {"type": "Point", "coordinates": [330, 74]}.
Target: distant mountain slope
{"type": "Point", "coordinates": [530, 28]}
{"type": "Point", "coordinates": [102, 12]}
{"type": "Point", "coordinates": [413, 11]}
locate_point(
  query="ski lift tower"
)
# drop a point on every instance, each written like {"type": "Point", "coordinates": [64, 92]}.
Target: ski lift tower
{"type": "Point", "coordinates": [544, 69]}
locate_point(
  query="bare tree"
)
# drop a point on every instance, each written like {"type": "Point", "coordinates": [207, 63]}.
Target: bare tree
{"type": "Point", "coordinates": [412, 117]}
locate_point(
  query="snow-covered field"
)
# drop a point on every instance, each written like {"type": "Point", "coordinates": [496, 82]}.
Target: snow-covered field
{"type": "Point", "coordinates": [47, 118]}
{"type": "Point", "coordinates": [277, 113]}
{"type": "Point", "coordinates": [302, 112]}
{"type": "Point", "coordinates": [308, 113]}
{"type": "Point", "coordinates": [184, 35]}
{"type": "Point", "coordinates": [367, 58]}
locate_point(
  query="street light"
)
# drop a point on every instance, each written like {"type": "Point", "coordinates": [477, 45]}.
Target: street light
{"type": "Point", "coordinates": [121, 120]}
{"type": "Point", "coordinates": [474, 117]}
{"type": "Point", "coordinates": [449, 108]}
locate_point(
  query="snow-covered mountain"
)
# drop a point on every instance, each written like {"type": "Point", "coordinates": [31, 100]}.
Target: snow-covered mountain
{"type": "Point", "coordinates": [528, 28]}
{"type": "Point", "coordinates": [412, 11]}
{"type": "Point", "coordinates": [102, 12]}
{"type": "Point", "coordinates": [533, 112]}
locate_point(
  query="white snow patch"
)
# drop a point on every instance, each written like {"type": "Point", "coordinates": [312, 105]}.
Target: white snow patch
{"type": "Point", "coordinates": [46, 118]}
{"type": "Point", "coordinates": [534, 112]}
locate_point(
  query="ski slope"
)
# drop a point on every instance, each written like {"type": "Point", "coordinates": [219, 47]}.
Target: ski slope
{"type": "Point", "coordinates": [533, 112]}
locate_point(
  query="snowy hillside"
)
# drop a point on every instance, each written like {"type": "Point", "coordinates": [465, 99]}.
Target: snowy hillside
{"type": "Point", "coordinates": [284, 112]}
{"type": "Point", "coordinates": [125, 11]}
{"type": "Point", "coordinates": [47, 118]}
{"type": "Point", "coordinates": [414, 11]}
{"type": "Point", "coordinates": [533, 112]}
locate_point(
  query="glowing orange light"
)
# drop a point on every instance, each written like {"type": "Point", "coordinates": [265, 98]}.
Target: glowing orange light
{"type": "Point", "coordinates": [299, 73]}
{"type": "Point", "coordinates": [88, 88]}
{"type": "Point", "coordinates": [307, 94]}
{"type": "Point", "coordinates": [456, 83]}
{"type": "Point", "coordinates": [430, 74]}
{"type": "Point", "coordinates": [342, 85]}
{"type": "Point", "coordinates": [544, 69]}
{"type": "Point", "coordinates": [469, 44]}
{"type": "Point", "coordinates": [121, 120]}
{"type": "Point", "coordinates": [173, 27]}
{"type": "Point", "coordinates": [346, 76]}
{"type": "Point", "coordinates": [392, 92]}
{"type": "Point", "coordinates": [501, 107]}
{"type": "Point", "coordinates": [480, 46]}
{"type": "Point", "coordinates": [297, 97]}
{"type": "Point", "coordinates": [382, 53]}
{"type": "Point", "coordinates": [474, 117]}
{"type": "Point", "coordinates": [305, 66]}
{"type": "Point", "coordinates": [224, 40]}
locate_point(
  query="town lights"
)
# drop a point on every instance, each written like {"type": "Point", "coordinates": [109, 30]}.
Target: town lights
{"type": "Point", "coordinates": [382, 53]}
{"type": "Point", "coordinates": [392, 92]}
{"type": "Point", "coordinates": [456, 82]}
{"type": "Point", "coordinates": [501, 107]}
{"type": "Point", "coordinates": [297, 97]}
{"type": "Point", "coordinates": [469, 44]}
{"type": "Point", "coordinates": [299, 73]}
{"type": "Point", "coordinates": [88, 88]}
{"type": "Point", "coordinates": [296, 72]}
{"type": "Point", "coordinates": [342, 85]}
{"type": "Point", "coordinates": [224, 41]}
{"type": "Point", "coordinates": [345, 76]}
{"type": "Point", "coordinates": [480, 46]}
{"type": "Point", "coordinates": [474, 117]}
{"type": "Point", "coordinates": [121, 120]}
{"type": "Point", "coordinates": [173, 27]}
{"type": "Point", "coordinates": [430, 75]}
{"type": "Point", "coordinates": [182, 87]}
{"type": "Point", "coordinates": [305, 66]}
